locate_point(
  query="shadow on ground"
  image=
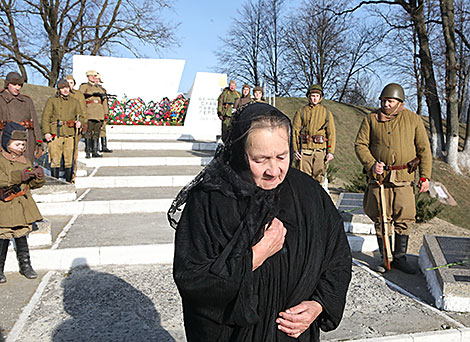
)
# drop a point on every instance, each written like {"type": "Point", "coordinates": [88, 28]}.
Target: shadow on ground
{"type": "Point", "coordinates": [106, 308]}
{"type": "Point", "coordinates": [412, 283]}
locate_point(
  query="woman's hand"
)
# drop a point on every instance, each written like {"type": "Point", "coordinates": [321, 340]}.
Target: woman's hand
{"type": "Point", "coordinates": [295, 320]}
{"type": "Point", "coordinates": [270, 244]}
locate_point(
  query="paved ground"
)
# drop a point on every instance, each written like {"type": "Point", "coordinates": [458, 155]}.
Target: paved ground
{"type": "Point", "coordinates": [141, 303]}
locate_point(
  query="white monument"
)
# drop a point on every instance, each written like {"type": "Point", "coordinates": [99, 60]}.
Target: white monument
{"type": "Point", "coordinates": [149, 79]}
{"type": "Point", "coordinates": [202, 122]}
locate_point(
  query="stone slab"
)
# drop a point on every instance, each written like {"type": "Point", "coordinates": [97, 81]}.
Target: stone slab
{"type": "Point", "coordinates": [100, 194]}
{"type": "Point", "coordinates": [148, 154]}
{"type": "Point", "coordinates": [118, 230]}
{"type": "Point", "coordinates": [146, 161]}
{"type": "Point", "coordinates": [448, 284]}
{"type": "Point", "coordinates": [149, 170]}
{"type": "Point", "coordinates": [355, 221]}
{"type": "Point", "coordinates": [184, 146]}
{"type": "Point", "coordinates": [362, 243]}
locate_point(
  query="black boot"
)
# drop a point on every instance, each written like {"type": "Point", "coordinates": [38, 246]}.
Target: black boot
{"type": "Point", "coordinates": [104, 146]}
{"type": "Point", "coordinates": [379, 267]}
{"type": "Point", "coordinates": [68, 174]}
{"type": "Point", "coordinates": [3, 256]}
{"type": "Point", "coordinates": [22, 254]}
{"type": "Point", "coordinates": [94, 152]}
{"type": "Point", "coordinates": [399, 255]}
{"type": "Point", "coordinates": [55, 172]}
{"type": "Point", "coordinates": [88, 147]}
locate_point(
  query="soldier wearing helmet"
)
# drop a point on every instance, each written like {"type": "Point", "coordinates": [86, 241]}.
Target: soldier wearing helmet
{"type": "Point", "coordinates": [19, 108]}
{"type": "Point", "coordinates": [314, 135]}
{"type": "Point", "coordinates": [390, 144]}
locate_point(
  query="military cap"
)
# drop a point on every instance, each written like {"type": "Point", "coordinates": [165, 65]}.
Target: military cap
{"type": "Point", "coordinates": [257, 88]}
{"type": "Point", "coordinates": [99, 77]}
{"type": "Point", "coordinates": [315, 88]}
{"type": "Point", "coordinates": [62, 83]}
{"type": "Point", "coordinates": [70, 77]}
{"type": "Point", "coordinates": [232, 82]}
{"type": "Point", "coordinates": [393, 91]}
{"type": "Point", "coordinates": [13, 78]}
{"type": "Point", "coordinates": [12, 131]}
{"type": "Point", "coordinates": [91, 73]}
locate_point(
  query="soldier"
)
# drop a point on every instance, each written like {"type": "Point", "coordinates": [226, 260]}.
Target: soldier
{"type": "Point", "coordinates": [78, 95]}
{"type": "Point", "coordinates": [104, 141]}
{"type": "Point", "coordinates": [314, 135]}
{"type": "Point", "coordinates": [387, 144]}
{"type": "Point", "coordinates": [19, 108]}
{"type": "Point", "coordinates": [246, 98]}
{"type": "Point", "coordinates": [61, 117]}
{"type": "Point", "coordinates": [97, 108]}
{"type": "Point", "coordinates": [258, 94]}
{"type": "Point", "coordinates": [226, 101]}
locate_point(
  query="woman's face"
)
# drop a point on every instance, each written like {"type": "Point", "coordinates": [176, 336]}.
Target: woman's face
{"type": "Point", "coordinates": [17, 146]}
{"type": "Point", "coordinates": [268, 156]}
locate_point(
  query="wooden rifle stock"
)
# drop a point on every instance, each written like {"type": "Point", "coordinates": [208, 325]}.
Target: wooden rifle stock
{"type": "Point", "coordinates": [384, 226]}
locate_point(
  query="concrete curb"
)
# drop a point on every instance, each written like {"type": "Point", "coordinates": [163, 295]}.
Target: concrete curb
{"type": "Point", "coordinates": [143, 161]}
{"type": "Point", "coordinates": [105, 207]}
{"type": "Point", "coordinates": [451, 335]}
{"type": "Point", "coordinates": [132, 181]}
{"type": "Point", "coordinates": [64, 259]}
{"type": "Point", "coordinates": [181, 146]}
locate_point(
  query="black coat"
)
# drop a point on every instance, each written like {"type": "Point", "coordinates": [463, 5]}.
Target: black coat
{"type": "Point", "coordinates": [224, 300]}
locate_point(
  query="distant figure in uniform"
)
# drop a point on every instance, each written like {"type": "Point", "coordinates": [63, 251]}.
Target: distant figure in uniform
{"type": "Point", "coordinates": [314, 135]}
{"type": "Point", "coordinates": [246, 98]}
{"type": "Point", "coordinates": [258, 94]}
{"type": "Point", "coordinates": [17, 207]}
{"type": "Point", "coordinates": [97, 108]}
{"type": "Point", "coordinates": [61, 117]}
{"type": "Point", "coordinates": [104, 141]}
{"type": "Point", "coordinates": [78, 95]}
{"type": "Point", "coordinates": [225, 102]}
{"type": "Point", "coordinates": [390, 144]}
{"type": "Point", "coordinates": [19, 108]}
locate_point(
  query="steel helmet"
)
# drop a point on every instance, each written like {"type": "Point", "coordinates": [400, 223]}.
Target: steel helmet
{"type": "Point", "coordinates": [315, 88]}
{"type": "Point", "coordinates": [394, 91]}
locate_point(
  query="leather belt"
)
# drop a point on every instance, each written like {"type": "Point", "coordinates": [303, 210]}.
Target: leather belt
{"type": "Point", "coordinates": [28, 124]}
{"type": "Point", "coordinates": [92, 101]}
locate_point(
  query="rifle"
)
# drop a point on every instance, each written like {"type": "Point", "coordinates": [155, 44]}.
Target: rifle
{"type": "Point", "coordinates": [384, 226]}
{"type": "Point", "coordinates": [76, 141]}
{"type": "Point", "coordinates": [102, 96]}
{"type": "Point", "coordinates": [58, 128]}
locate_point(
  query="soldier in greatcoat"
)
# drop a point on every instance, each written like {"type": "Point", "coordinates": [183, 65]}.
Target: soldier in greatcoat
{"type": "Point", "coordinates": [18, 107]}
{"type": "Point", "coordinates": [225, 104]}
{"type": "Point", "coordinates": [61, 117]}
{"type": "Point", "coordinates": [314, 135]}
{"type": "Point", "coordinates": [97, 107]}
{"type": "Point", "coordinates": [18, 211]}
{"type": "Point", "coordinates": [390, 144]}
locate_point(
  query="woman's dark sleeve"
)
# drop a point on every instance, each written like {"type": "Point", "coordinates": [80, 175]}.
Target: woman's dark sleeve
{"type": "Point", "coordinates": [213, 261]}
{"type": "Point", "coordinates": [336, 271]}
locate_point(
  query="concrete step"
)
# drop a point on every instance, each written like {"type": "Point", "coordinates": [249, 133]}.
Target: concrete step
{"type": "Point", "coordinates": [109, 194]}
{"type": "Point", "coordinates": [54, 191]}
{"type": "Point", "coordinates": [131, 181]}
{"type": "Point", "coordinates": [105, 207]}
{"type": "Point", "coordinates": [171, 170]}
{"type": "Point", "coordinates": [151, 153]}
{"type": "Point", "coordinates": [155, 145]}
{"type": "Point", "coordinates": [145, 161]}
{"type": "Point", "coordinates": [126, 132]}
{"type": "Point", "coordinates": [362, 242]}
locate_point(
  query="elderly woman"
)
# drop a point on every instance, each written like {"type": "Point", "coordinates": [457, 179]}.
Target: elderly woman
{"type": "Point", "coordinates": [260, 250]}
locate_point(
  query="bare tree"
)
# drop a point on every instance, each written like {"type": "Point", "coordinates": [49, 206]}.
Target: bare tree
{"type": "Point", "coordinates": [240, 55]}
{"type": "Point", "coordinates": [315, 45]}
{"type": "Point", "coordinates": [64, 27]}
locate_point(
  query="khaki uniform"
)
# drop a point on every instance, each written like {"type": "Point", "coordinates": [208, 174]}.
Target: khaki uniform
{"type": "Point", "coordinates": [18, 214]}
{"type": "Point", "coordinates": [394, 142]}
{"type": "Point", "coordinates": [78, 95]}
{"type": "Point", "coordinates": [242, 101]}
{"type": "Point", "coordinates": [20, 108]}
{"type": "Point", "coordinates": [225, 104]}
{"type": "Point", "coordinates": [96, 107]}
{"type": "Point", "coordinates": [311, 121]}
{"type": "Point", "coordinates": [65, 110]}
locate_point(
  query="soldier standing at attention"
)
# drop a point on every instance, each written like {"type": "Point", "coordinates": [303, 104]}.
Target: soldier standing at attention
{"type": "Point", "coordinates": [60, 118]}
{"type": "Point", "coordinates": [258, 94]}
{"type": "Point", "coordinates": [97, 108]}
{"type": "Point", "coordinates": [246, 98]}
{"type": "Point", "coordinates": [104, 141]}
{"type": "Point", "coordinates": [19, 108]}
{"type": "Point", "coordinates": [225, 102]}
{"type": "Point", "coordinates": [314, 135]}
{"type": "Point", "coordinates": [390, 144]}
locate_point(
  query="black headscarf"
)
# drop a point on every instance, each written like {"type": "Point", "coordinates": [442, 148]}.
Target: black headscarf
{"type": "Point", "coordinates": [229, 171]}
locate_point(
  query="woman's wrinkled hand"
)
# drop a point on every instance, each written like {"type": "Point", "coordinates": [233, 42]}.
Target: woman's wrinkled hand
{"type": "Point", "coordinates": [270, 244]}
{"type": "Point", "coordinates": [295, 320]}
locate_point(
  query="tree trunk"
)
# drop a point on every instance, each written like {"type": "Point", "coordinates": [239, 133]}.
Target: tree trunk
{"type": "Point", "coordinates": [447, 12]}
{"type": "Point", "coordinates": [430, 91]}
